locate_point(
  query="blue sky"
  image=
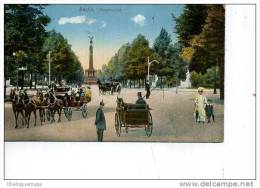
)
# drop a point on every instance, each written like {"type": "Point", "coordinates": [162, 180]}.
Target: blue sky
{"type": "Point", "coordinates": [111, 25]}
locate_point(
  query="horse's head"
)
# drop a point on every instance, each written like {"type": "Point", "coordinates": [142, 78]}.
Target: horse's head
{"type": "Point", "coordinates": [18, 98]}
{"type": "Point", "coordinates": [14, 95]}
{"type": "Point", "coordinates": [119, 101]}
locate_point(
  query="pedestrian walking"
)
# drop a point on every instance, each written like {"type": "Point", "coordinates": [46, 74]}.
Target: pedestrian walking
{"type": "Point", "coordinates": [199, 106]}
{"type": "Point", "coordinates": [147, 88]}
{"type": "Point", "coordinates": [100, 122]}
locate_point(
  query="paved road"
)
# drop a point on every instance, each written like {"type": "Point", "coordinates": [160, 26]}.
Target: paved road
{"type": "Point", "coordinates": [172, 117]}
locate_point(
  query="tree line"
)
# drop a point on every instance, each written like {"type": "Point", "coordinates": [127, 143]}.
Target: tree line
{"type": "Point", "coordinates": [199, 49]}
{"type": "Point", "coordinates": [131, 62]}
{"type": "Point", "coordinates": [200, 30]}
{"type": "Point", "coordinates": [27, 44]}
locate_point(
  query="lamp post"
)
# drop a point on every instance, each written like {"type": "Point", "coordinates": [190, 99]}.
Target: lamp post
{"type": "Point", "coordinates": [148, 67]}
{"type": "Point", "coordinates": [22, 69]}
{"type": "Point", "coordinates": [14, 54]}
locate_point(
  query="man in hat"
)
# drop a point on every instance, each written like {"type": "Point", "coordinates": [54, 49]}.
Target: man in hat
{"type": "Point", "coordinates": [100, 122]}
{"type": "Point", "coordinates": [140, 99]}
{"type": "Point", "coordinates": [147, 88]}
{"type": "Point", "coordinates": [199, 106]}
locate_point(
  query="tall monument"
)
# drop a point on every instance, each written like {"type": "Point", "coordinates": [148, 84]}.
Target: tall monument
{"type": "Point", "coordinates": [91, 73]}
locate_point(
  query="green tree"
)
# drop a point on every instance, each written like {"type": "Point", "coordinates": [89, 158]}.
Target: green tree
{"type": "Point", "coordinates": [171, 65]}
{"type": "Point", "coordinates": [190, 23]}
{"type": "Point", "coordinates": [205, 48]}
{"type": "Point", "coordinates": [64, 63]}
{"type": "Point", "coordinates": [136, 67]}
{"type": "Point", "coordinates": [24, 29]}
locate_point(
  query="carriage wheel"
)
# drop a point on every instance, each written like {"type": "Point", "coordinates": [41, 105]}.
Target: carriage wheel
{"type": "Point", "coordinates": [84, 110]}
{"type": "Point", "coordinates": [68, 113]}
{"type": "Point", "coordinates": [48, 114]}
{"type": "Point", "coordinates": [149, 126]}
{"type": "Point", "coordinates": [117, 124]}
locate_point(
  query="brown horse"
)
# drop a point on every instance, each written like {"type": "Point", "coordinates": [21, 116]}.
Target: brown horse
{"type": "Point", "coordinates": [54, 105]}
{"type": "Point", "coordinates": [30, 105]}
{"type": "Point", "coordinates": [17, 105]}
{"type": "Point", "coordinates": [42, 104]}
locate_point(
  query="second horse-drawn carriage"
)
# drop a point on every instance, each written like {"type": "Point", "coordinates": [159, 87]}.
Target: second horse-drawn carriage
{"type": "Point", "coordinates": [108, 87]}
{"type": "Point", "coordinates": [133, 116]}
{"type": "Point", "coordinates": [71, 100]}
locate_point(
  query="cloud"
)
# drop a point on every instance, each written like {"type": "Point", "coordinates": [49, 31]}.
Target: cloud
{"type": "Point", "coordinates": [139, 19]}
{"type": "Point", "coordinates": [103, 24]}
{"type": "Point", "coordinates": [76, 20]}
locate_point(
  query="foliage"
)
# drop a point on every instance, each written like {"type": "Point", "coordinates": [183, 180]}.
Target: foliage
{"type": "Point", "coordinates": [171, 64]}
{"type": "Point", "coordinates": [24, 31]}
{"type": "Point", "coordinates": [138, 54]}
{"type": "Point", "coordinates": [204, 80]}
{"type": "Point", "coordinates": [203, 46]}
{"type": "Point", "coordinates": [64, 62]}
{"type": "Point", "coordinates": [190, 23]}
{"type": "Point", "coordinates": [25, 36]}
{"type": "Point", "coordinates": [130, 62]}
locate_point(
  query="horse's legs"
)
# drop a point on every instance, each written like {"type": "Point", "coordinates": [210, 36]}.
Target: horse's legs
{"type": "Point", "coordinates": [23, 117]}
{"type": "Point", "coordinates": [34, 111]}
{"type": "Point", "coordinates": [53, 114]}
{"type": "Point", "coordinates": [59, 111]}
{"type": "Point", "coordinates": [43, 114]}
{"type": "Point", "coordinates": [40, 114]}
{"type": "Point", "coordinates": [16, 117]}
{"type": "Point", "coordinates": [28, 119]}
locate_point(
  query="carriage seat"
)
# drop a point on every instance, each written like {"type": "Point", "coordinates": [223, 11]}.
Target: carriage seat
{"type": "Point", "coordinates": [129, 106]}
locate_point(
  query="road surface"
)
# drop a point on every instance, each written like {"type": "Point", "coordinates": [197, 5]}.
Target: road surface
{"type": "Point", "coordinates": [172, 117]}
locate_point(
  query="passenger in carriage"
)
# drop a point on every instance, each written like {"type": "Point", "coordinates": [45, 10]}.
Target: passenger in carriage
{"type": "Point", "coordinates": [140, 99]}
{"type": "Point", "coordinates": [88, 93]}
{"type": "Point", "coordinates": [79, 94]}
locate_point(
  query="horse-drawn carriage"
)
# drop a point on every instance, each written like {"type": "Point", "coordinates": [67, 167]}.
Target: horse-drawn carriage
{"type": "Point", "coordinates": [48, 103]}
{"type": "Point", "coordinates": [108, 87]}
{"type": "Point", "coordinates": [133, 116]}
{"type": "Point", "coordinates": [71, 100]}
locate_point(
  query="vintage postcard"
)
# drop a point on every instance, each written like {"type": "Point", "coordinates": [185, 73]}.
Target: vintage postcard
{"type": "Point", "coordinates": [114, 73]}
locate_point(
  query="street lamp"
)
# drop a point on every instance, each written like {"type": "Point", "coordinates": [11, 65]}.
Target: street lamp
{"type": "Point", "coordinates": [22, 69]}
{"type": "Point", "coordinates": [149, 64]}
{"type": "Point", "coordinates": [14, 54]}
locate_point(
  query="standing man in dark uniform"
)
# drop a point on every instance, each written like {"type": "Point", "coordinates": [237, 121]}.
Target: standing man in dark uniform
{"type": "Point", "coordinates": [147, 88]}
{"type": "Point", "coordinates": [100, 122]}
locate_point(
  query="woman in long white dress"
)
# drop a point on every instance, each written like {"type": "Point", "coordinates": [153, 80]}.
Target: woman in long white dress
{"type": "Point", "coordinates": [199, 106]}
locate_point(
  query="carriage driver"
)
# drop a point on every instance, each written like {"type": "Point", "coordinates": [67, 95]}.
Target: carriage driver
{"type": "Point", "coordinates": [140, 99]}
